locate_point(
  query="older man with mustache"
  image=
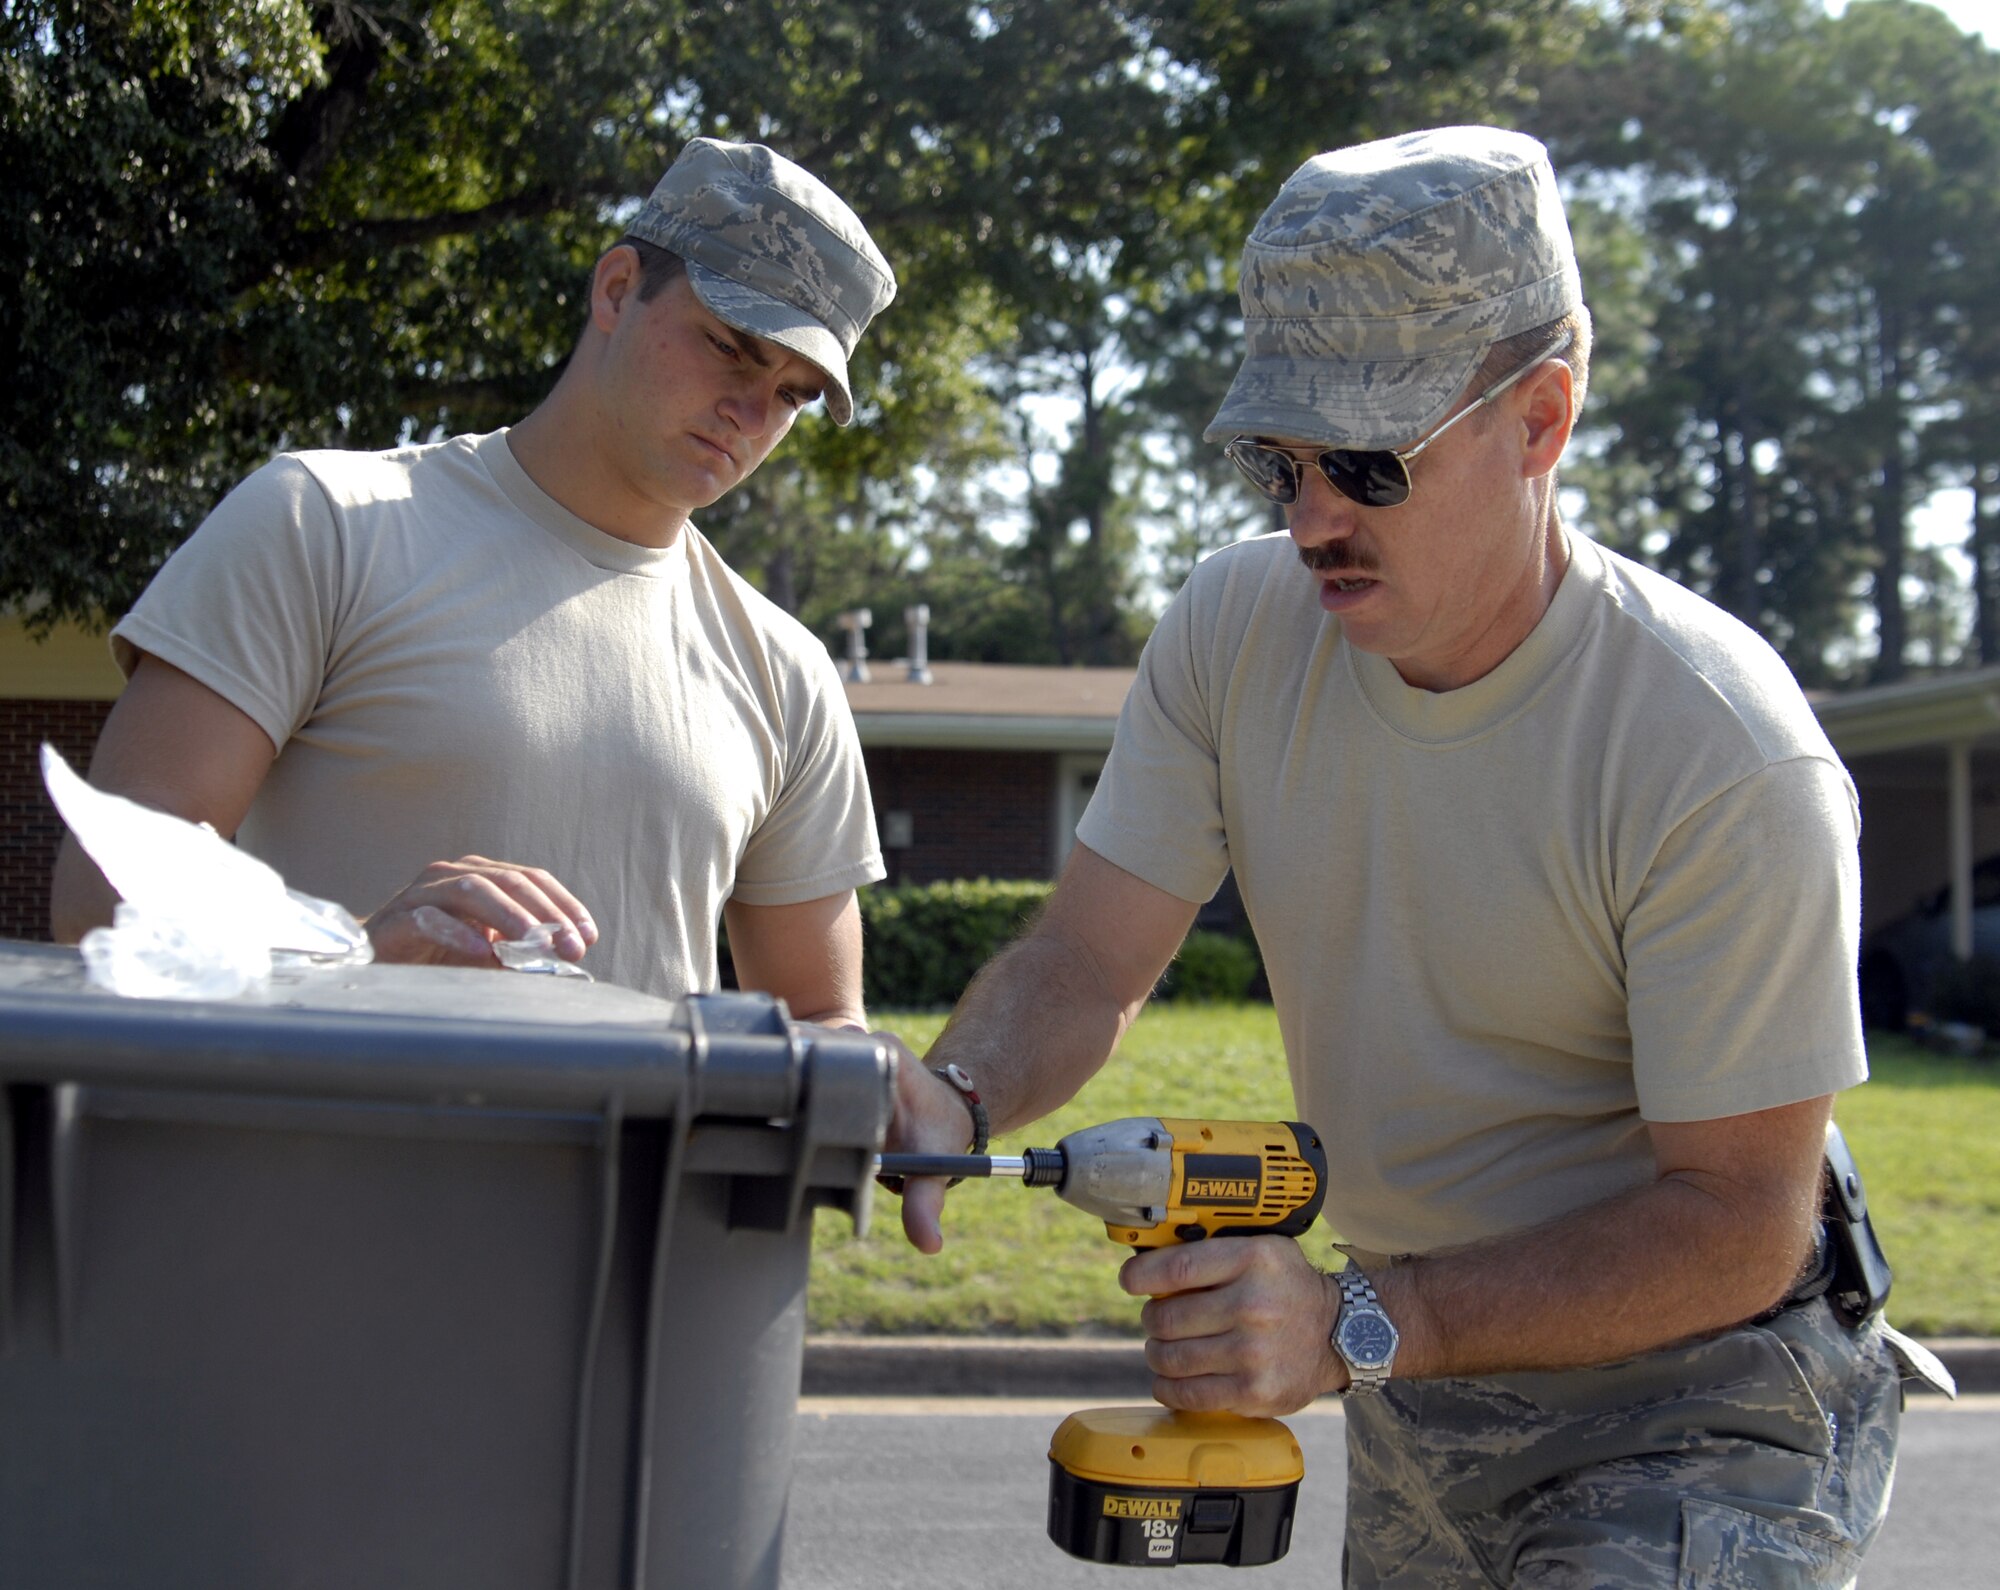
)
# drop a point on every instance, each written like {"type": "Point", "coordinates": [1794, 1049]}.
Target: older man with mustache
{"type": "Point", "coordinates": [1555, 877]}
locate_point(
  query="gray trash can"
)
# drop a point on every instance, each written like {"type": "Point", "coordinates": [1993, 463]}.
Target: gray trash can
{"type": "Point", "coordinates": [408, 1276]}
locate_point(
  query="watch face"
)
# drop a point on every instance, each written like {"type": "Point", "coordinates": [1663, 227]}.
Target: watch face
{"type": "Point", "coordinates": [1367, 1339]}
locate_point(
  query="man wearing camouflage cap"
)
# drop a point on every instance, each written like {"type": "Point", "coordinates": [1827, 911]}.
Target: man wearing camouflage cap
{"type": "Point", "coordinates": [1556, 882]}
{"type": "Point", "coordinates": [517, 644]}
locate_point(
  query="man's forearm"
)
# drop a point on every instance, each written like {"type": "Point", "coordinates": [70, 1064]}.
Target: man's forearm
{"type": "Point", "coordinates": [1040, 1019]}
{"type": "Point", "coordinates": [79, 897]}
{"type": "Point", "coordinates": [1034, 1026]}
{"type": "Point", "coordinates": [1663, 1263]}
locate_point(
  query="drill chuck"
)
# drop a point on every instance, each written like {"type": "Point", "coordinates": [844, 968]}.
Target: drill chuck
{"type": "Point", "coordinates": [1036, 1167]}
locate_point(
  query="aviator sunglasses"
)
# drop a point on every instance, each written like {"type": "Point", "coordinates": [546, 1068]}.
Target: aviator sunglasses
{"type": "Point", "coordinates": [1373, 477]}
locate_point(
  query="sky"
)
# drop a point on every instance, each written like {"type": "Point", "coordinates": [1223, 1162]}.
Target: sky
{"type": "Point", "coordinates": [1974, 16]}
{"type": "Point", "coordinates": [1971, 16]}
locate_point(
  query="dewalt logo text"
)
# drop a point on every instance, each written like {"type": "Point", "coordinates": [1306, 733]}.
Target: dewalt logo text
{"type": "Point", "coordinates": [1217, 1187]}
{"type": "Point", "coordinates": [1142, 1507]}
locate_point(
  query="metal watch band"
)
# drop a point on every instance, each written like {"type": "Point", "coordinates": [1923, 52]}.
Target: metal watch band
{"type": "Point", "coordinates": [1358, 1303]}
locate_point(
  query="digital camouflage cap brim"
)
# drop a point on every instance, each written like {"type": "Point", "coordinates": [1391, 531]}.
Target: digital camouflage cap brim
{"type": "Point", "coordinates": [773, 251]}
{"type": "Point", "coordinates": [1380, 276]}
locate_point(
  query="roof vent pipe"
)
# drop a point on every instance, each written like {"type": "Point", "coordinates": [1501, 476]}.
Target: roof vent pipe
{"type": "Point", "coordinates": [918, 619]}
{"type": "Point", "coordinates": [854, 622]}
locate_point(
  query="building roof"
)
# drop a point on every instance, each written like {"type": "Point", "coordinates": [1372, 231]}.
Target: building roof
{"type": "Point", "coordinates": [993, 706]}
{"type": "Point", "coordinates": [1002, 706]}
{"type": "Point", "coordinates": [68, 664]}
{"type": "Point", "coordinates": [1938, 710]}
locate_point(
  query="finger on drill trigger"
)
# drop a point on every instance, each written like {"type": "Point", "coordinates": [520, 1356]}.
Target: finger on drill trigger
{"type": "Point", "coordinates": [1159, 1272]}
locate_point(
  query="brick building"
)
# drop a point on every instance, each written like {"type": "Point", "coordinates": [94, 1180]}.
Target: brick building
{"type": "Point", "coordinates": [57, 690]}
{"type": "Point", "coordinates": [985, 770]}
{"type": "Point", "coordinates": [981, 773]}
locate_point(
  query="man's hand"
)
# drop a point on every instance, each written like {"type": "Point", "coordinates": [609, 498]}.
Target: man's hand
{"type": "Point", "coordinates": [931, 1118]}
{"type": "Point", "coordinates": [456, 910]}
{"type": "Point", "coordinates": [1039, 1018]}
{"type": "Point", "coordinates": [1236, 1324]}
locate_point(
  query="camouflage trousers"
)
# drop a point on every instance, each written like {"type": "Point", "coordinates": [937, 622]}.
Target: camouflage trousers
{"type": "Point", "coordinates": [1761, 1457]}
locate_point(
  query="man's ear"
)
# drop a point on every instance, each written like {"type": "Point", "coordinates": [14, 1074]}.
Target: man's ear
{"type": "Point", "coordinates": [1548, 415]}
{"type": "Point", "coordinates": [614, 286]}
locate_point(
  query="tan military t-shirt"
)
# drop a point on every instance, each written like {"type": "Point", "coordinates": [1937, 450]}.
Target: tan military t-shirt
{"type": "Point", "coordinates": [1614, 881]}
{"type": "Point", "coordinates": [450, 662]}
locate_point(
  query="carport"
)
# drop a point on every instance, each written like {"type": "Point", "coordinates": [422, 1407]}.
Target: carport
{"type": "Point", "coordinates": [1925, 756]}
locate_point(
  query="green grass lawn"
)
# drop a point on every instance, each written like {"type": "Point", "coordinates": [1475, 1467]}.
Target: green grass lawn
{"type": "Point", "coordinates": [1925, 1129]}
{"type": "Point", "coordinates": [1926, 1132]}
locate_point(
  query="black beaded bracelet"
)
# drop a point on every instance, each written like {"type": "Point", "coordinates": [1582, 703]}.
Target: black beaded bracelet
{"type": "Point", "coordinates": [956, 1077]}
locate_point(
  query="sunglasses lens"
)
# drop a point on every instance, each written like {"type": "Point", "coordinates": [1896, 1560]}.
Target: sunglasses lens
{"type": "Point", "coordinates": [1373, 479]}
{"type": "Point", "coordinates": [1269, 470]}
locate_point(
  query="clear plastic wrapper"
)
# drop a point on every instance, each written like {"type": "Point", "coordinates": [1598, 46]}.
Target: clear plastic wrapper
{"type": "Point", "coordinates": [535, 953]}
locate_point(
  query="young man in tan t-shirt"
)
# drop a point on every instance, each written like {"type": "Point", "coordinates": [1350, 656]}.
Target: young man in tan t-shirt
{"type": "Point", "coordinates": [1556, 881]}
{"type": "Point", "coordinates": [519, 645]}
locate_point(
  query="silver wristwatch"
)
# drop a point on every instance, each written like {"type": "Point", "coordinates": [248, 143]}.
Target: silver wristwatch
{"type": "Point", "coordinates": [1362, 1333]}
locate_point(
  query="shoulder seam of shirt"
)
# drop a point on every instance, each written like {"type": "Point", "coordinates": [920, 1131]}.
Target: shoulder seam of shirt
{"type": "Point", "coordinates": [1666, 643]}
{"type": "Point", "coordinates": [1770, 766]}
{"type": "Point", "coordinates": [337, 597]}
{"type": "Point", "coordinates": [1225, 559]}
{"type": "Point", "coordinates": [766, 610]}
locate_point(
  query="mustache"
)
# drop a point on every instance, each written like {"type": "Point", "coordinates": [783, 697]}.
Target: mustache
{"type": "Point", "coordinates": [1338, 557]}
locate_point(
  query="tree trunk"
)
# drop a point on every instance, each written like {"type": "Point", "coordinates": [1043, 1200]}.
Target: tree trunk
{"type": "Point", "coordinates": [779, 582]}
{"type": "Point", "coordinates": [1740, 550]}
{"type": "Point", "coordinates": [1100, 607]}
{"type": "Point", "coordinates": [1890, 507]}
{"type": "Point", "coordinates": [1983, 547]}
{"type": "Point", "coordinates": [1891, 622]}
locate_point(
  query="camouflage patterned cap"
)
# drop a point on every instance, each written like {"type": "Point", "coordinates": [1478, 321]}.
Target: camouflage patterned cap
{"type": "Point", "coordinates": [1379, 277]}
{"type": "Point", "coordinates": [773, 251]}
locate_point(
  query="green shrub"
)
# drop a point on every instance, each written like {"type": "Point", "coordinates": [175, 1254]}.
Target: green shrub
{"type": "Point", "coordinates": [1211, 968]}
{"type": "Point", "coordinates": [923, 941]}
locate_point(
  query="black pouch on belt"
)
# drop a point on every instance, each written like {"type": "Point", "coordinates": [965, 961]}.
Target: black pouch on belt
{"type": "Point", "coordinates": [1861, 1273]}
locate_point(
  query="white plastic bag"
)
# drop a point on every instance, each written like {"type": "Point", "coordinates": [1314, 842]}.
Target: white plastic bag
{"type": "Point", "coordinates": [200, 919]}
{"type": "Point", "coordinates": [154, 957]}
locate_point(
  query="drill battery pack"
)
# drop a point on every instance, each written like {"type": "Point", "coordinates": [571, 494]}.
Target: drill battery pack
{"type": "Point", "coordinates": [1147, 1488]}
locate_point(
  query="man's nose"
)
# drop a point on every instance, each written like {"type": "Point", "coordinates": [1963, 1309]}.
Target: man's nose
{"type": "Point", "coordinates": [1321, 514]}
{"type": "Point", "coordinates": [753, 410]}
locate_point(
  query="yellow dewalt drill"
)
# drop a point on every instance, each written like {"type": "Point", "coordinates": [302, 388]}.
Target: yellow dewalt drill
{"type": "Point", "coordinates": [1148, 1487]}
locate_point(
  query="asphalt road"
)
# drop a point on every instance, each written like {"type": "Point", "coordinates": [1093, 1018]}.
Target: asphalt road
{"type": "Point", "coordinates": [917, 1495]}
